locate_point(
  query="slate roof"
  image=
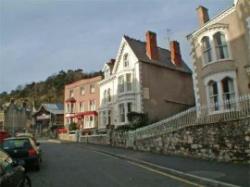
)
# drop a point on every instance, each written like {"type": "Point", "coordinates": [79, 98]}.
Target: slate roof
{"type": "Point", "coordinates": [139, 48]}
{"type": "Point", "coordinates": [56, 108]}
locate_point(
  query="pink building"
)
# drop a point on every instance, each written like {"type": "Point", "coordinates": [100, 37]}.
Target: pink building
{"type": "Point", "coordinates": [81, 104]}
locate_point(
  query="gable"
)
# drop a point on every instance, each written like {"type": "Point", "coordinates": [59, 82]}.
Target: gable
{"type": "Point", "coordinates": [124, 49]}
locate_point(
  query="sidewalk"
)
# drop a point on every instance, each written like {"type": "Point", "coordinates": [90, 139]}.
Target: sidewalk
{"type": "Point", "coordinates": [208, 172]}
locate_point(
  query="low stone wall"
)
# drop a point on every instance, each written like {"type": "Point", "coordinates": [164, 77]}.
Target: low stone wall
{"type": "Point", "coordinates": [225, 141]}
{"type": "Point", "coordinates": [96, 139]}
{"type": "Point", "coordinates": [67, 137]}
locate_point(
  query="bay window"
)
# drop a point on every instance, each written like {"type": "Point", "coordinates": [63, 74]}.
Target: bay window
{"type": "Point", "coordinates": [220, 46]}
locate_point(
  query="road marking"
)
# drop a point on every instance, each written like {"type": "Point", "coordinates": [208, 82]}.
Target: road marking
{"type": "Point", "coordinates": [165, 174]}
{"type": "Point", "coordinates": [190, 175]}
{"type": "Point", "coordinates": [151, 169]}
{"type": "Point", "coordinates": [215, 182]}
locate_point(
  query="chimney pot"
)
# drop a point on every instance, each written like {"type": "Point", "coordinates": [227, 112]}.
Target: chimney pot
{"type": "Point", "coordinates": [202, 15]}
{"type": "Point", "coordinates": [175, 53]}
{"type": "Point", "coordinates": [151, 46]}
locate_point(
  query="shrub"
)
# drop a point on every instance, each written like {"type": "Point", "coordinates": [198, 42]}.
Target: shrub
{"type": "Point", "coordinates": [72, 126]}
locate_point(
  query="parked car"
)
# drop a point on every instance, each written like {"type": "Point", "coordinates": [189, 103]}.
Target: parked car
{"type": "Point", "coordinates": [23, 148]}
{"type": "Point", "coordinates": [11, 173]}
{"type": "Point", "coordinates": [3, 135]}
{"type": "Point", "coordinates": [29, 135]}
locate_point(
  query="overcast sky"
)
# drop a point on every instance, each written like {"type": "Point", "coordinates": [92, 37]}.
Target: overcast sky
{"type": "Point", "coordinates": [42, 37]}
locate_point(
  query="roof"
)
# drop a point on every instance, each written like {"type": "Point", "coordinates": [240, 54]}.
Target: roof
{"type": "Point", "coordinates": [139, 48]}
{"type": "Point", "coordinates": [54, 108]}
{"type": "Point", "coordinates": [212, 21]}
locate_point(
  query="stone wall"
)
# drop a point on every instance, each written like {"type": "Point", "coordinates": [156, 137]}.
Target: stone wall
{"type": "Point", "coordinates": [96, 139]}
{"type": "Point", "coordinates": [225, 141]}
{"type": "Point", "coordinates": [67, 137]}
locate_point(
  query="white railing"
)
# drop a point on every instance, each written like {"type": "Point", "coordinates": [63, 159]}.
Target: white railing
{"type": "Point", "coordinates": [234, 109]}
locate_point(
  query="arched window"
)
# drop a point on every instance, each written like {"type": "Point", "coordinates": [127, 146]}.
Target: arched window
{"type": "Point", "coordinates": [213, 95]}
{"type": "Point", "coordinates": [206, 49]}
{"type": "Point", "coordinates": [228, 92]}
{"type": "Point", "coordinates": [220, 45]}
{"type": "Point", "coordinates": [125, 60]}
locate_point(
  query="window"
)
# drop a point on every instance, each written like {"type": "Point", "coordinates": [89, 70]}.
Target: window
{"type": "Point", "coordinates": [125, 60]}
{"type": "Point", "coordinates": [129, 82]}
{"type": "Point", "coordinates": [129, 105]}
{"type": "Point", "coordinates": [121, 112]}
{"type": "Point", "coordinates": [105, 96]}
{"type": "Point", "coordinates": [109, 117]}
{"type": "Point", "coordinates": [121, 84]}
{"type": "Point", "coordinates": [92, 106]}
{"type": "Point", "coordinates": [228, 92]}
{"type": "Point", "coordinates": [71, 93]}
{"type": "Point", "coordinates": [221, 46]}
{"type": "Point", "coordinates": [81, 107]}
{"type": "Point", "coordinates": [213, 95]}
{"type": "Point", "coordinates": [82, 90]}
{"type": "Point", "coordinates": [206, 49]}
{"type": "Point", "coordinates": [71, 108]}
{"type": "Point", "coordinates": [92, 88]}
{"type": "Point", "coordinates": [109, 95]}
{"type": "Point", "coordinates": [104, 118]}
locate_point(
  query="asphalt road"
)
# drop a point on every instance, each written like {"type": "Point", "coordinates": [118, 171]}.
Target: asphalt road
{"type": "Point", "coordinates": [72, 165]}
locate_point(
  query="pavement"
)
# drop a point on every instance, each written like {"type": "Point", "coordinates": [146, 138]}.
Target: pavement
{"type": "Point", "coordinates": [205, 172]}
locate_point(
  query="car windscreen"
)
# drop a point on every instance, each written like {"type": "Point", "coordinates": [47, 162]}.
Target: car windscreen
{"type": "Point", "coordinates": [16, 144]}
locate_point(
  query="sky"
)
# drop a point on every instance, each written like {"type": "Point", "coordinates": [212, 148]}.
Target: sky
{"type": "Point", "coordinates": [39, 38]}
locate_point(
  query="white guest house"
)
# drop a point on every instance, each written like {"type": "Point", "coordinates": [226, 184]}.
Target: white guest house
{"type": "Point", "coordinates": [144, 78]}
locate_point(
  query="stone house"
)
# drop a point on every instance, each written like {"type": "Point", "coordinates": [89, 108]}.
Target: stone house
{"type": "Point", "coordinates": [81, 104]}
{"type": "Point", "coordinates": [17, 118]}
{"type": "Point", "coordinates": [144, 78]}
{"type": "Point", "coordinates": [221, 57]}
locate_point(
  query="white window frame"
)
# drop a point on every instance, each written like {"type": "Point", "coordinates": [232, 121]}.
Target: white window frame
{"type": "Point", "coordinates": [210, 34]}
{"type": "Point", "coordinates": [218, 77]}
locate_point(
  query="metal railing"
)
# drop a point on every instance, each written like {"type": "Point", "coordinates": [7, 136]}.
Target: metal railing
{"type": "Point", "coordinates": [229, 110]}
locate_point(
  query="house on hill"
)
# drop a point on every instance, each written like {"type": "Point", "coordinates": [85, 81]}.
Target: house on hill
{"type": "Point", "coordinates": [144, 78]}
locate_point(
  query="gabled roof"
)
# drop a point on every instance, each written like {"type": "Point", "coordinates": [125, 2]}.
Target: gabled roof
{"type": "Point", "coordinates": [54, 108]}
{"type": "Point", "coordinates": [139, 49]}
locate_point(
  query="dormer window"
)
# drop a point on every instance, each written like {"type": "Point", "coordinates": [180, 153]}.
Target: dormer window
{"type": "Point", "coordinates": [220, 45]}
{"type": "Point", "coordinates": [206, 49]}
{"type": "Point", "coordinates": [125, 60]}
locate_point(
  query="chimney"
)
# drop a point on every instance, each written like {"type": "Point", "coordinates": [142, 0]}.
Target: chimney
{"type": "Point", "coordinates": [202, 15]}
{"type": "Point", "coordinates": [175, 53]}
{"type": "Point", "coordinates": [151, 46]}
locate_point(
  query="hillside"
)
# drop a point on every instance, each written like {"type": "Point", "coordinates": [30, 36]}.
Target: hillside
{"type": "Point", "coordinates": [49, 91]}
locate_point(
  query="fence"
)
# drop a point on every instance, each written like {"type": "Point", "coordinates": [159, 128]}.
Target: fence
{"type": "Point", "coordinates": [229, 110]}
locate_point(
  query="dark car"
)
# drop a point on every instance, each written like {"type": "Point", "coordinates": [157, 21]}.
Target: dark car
{"type": "Point", "coordinates": [23, 148]}
{"type": "Point", "coordinates": [12, 174]}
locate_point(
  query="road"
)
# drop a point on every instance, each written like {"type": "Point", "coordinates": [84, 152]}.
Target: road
{"type": "Point", "coordinates": [73, 165]}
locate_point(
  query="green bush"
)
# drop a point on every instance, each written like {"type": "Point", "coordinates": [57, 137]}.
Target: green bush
{"type": "Point", "coordinates": [72, 126]}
